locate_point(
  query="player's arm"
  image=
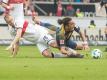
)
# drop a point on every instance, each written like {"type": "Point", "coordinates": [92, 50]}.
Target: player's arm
{"type": "Point", "coordinates": [48, 25]}
{"type": "Point", "coordinates": [15, 49]}
{"type": "Point", "coordinates": [51, 32]}
{"type": "Point", "coordinates": [5, 5]}
{"type": "Point", "coordinates": [85, 43]}
{"type": "Point", "coordinates": [44, 24]}
{"type": "Point", "coordinates": [62, 45]}
{"type": "Point", "coordinates": [61, 41]}
{"type": "Point", "coordinates": [82, 35]}
{"type": "Point", "coordinates": [16, 39]}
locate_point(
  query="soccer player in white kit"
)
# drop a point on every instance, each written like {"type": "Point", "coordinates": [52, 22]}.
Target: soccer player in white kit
{"type": "Point", "coordinates": [37, 35]}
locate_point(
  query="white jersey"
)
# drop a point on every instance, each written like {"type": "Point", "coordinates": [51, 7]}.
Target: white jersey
{"type": "Point", "coordinates": [32, 33]}
{"type": "Point", "coordinates": [36, 34]}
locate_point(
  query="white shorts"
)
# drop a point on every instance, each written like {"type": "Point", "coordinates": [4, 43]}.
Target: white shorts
{"type": "Point", "coordinates": [44, 41]}
{"type": "Point", "coordinates": [18, 14]}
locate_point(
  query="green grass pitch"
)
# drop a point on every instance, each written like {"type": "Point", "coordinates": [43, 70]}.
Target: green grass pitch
{"type": "Point", "coordinates": [30, 65]}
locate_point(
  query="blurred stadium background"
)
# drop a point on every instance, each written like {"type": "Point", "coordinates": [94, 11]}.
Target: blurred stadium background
{"type": "Point", "coordinates": [82, 12]}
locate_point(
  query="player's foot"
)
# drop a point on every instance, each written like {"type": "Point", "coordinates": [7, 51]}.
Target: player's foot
{"type": "Point", "coordinates": [12, 56]}
{"type": "Point", "coordinates": [76, 56]}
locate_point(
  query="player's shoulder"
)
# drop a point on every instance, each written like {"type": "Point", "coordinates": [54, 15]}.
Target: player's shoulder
{"type": "Point", "coordinates": [76, 26]}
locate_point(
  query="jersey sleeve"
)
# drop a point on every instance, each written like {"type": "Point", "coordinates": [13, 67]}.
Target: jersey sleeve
{"type": "Point", "coordinates": [60, 37]}
{"type": "Point", "coordinates": [48, 25]}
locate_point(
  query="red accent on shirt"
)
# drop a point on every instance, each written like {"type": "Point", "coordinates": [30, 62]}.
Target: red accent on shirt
{"type": "Point", "coordinates": [16, 1]}
{"type": "Point", "coordinates": [24, 28]}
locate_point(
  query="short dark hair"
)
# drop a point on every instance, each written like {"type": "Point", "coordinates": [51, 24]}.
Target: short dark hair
{"type": "Point", "coordinates": [66, 20]}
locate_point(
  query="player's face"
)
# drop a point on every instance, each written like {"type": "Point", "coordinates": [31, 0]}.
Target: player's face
{"type": "Point", "coordinates": [70, 26]}
{"type": "Point", "coordinates": [67, 28]}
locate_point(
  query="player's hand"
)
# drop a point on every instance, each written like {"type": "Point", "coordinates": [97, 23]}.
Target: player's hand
{"type": "Point", "coordinates": [10, 48]}
{"type": "Point", "coordinates": [85, 46]}
{"type": "Point", "coordinates": [63, 50]}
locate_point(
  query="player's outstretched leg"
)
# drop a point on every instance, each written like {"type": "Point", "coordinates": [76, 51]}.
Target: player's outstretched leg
{"type": "Point", "coordinates": [78, 55]}
{"type": "Point", "coordinates": [74, 54]}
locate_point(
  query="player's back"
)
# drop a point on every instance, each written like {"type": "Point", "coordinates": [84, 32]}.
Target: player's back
{"type": "Point", "coordinates": [34, 32]}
